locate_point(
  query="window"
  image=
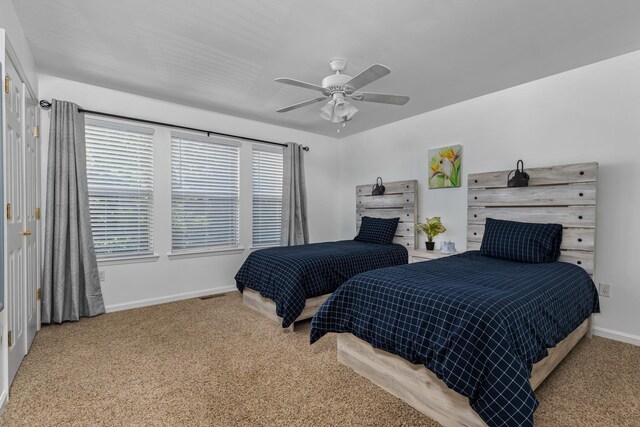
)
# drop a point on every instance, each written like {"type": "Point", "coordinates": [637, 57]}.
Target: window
{"type": "Point", "coordinates": [120, 181]}
{"type": "Point", "coordinates": [267, 195]}
{"type": "Point", "coordinates": [205, 193]}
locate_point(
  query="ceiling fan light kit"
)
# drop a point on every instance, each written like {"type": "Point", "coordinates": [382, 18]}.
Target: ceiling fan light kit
{"type": "Point", "coordinates": [338, 110]}
{"type": "Point", "coordinates": [338, 87]}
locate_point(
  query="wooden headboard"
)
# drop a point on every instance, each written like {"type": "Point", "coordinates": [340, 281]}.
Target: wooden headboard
{"type": "Point", "coordinates": [399, 200]}
{"type": "Point", "coordinates": [563, 194]}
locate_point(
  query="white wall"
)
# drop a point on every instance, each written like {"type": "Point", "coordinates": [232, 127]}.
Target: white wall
{"type": "Point", "coordinates": [584, 115]}
{"type": "Point", "coordinates": [135, 284]}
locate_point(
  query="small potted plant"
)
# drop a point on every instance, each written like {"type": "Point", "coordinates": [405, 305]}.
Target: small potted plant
{"type": "Point", "coordinates": [432, 227]}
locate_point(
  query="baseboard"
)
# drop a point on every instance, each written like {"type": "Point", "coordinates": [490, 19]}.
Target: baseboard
{"type": "Point", "coordinates": [169, 298]}
{"type": "Point", "coordinates": [3, 402]}
{"type": "Point", "coordinates": [617, 335]}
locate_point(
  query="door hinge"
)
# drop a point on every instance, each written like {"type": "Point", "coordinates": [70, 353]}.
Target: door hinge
{"type": "Point", "coordinates": [36, 131]}
{"type": "Point", "coordinates": [6, 83]}
{"type": "Point", "coordinates": [8, 210]}
{"type": "Point", "coordinates": [38, 294]}
{"type": "Point", "coordinates": [10, 339]}
{"type": "Point", "coordinates": [38, 214]}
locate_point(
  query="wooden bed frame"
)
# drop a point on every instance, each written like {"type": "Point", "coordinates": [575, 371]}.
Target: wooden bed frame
{"type": "Point", "coordinates": [399, 200]}
{"type": "Point", "coordinates": [267, 307]}
{"type": "Point", "coordinates": [560, 194]}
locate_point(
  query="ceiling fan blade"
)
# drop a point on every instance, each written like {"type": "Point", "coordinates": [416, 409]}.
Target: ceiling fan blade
{"type": "Point", "coordinates": [300, 83]}
{"type": "Point", "coordinates": [301, 104]}
{"type": "Point", "coordinates": [382, 98]}
{"type": "Point", "coordinates": [369, 75]}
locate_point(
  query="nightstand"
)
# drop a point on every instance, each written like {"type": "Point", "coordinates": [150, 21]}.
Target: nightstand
{"type": "Point", "coordinates": [417, 255]}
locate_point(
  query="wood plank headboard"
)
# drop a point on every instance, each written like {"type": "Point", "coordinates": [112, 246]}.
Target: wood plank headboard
{"type": "Point", "coordinates": [399, 200]}
{"type": "Point", "coordinates": [563, 194]}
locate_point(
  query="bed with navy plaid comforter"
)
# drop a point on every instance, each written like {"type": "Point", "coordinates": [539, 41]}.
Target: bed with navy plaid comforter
{"type": "Point", "coordinates": [478, 323]}
{"type": "Point", "coordinates": [289, 275]}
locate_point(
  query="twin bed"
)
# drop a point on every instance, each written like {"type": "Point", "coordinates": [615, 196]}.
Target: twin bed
{"type": "Point", "coordinates": [467, 339]}
{"type": "Point", "coordinates": [288, 284]}
{"type": "Point", "coordinates": [477, 323]}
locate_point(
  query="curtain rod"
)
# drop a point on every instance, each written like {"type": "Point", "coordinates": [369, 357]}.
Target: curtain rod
{"type": "Point", "coordinates": [46, 105]}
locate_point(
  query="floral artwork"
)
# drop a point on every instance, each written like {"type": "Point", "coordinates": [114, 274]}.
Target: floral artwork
{"type": "Point", "coordinates": [445, 167]}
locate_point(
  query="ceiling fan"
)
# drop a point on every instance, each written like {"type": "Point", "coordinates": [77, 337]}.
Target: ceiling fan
{"type": "Point", "coordinates": [339, 87]}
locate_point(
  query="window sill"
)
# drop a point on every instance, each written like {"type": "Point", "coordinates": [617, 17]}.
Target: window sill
{"type": "Point", "coordinates": [255, 248]}
{"type": "Point", "coordinates": [205, 252]}
{"type": "Point", "coordinates": [128, 259]}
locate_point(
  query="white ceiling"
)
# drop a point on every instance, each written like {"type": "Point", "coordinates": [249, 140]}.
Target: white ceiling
{"type": "Point", "coordinates": [223, 55]}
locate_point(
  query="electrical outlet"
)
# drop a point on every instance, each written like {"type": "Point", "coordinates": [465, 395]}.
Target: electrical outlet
{"type": "Point", "coordinates": [102, 275]}
{"type": "Point", "coordinates": [604, 290]}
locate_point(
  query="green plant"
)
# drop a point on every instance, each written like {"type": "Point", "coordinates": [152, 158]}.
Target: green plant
{"type": "Point", "coordinates": [432, 227]}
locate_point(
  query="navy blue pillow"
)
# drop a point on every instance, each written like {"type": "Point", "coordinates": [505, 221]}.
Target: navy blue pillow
{"type": "Point", "coordinates": [521, 241]}
{"type": "Point", "coordinates": [377, 230]}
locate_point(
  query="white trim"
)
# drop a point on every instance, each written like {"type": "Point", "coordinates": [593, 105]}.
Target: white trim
{"type": "Point", "coordinates": [617, 335]}
{"type": "Point", "coordinates": [207, 138]}
{"type": "Point", "coordinates": [3, 402]}
{"type": "Point", "coordinates": [205, 252]}
{"type": "Point", "coordinates": [255, 248]}
{"type": "Point", "coordinates": [260, 146]}
{"type": "Point", "coordinates": [169, 298]}
{"type": "Point", "coordinates": [128, 259]}
{"type": "Point", "coordinates": [118, 125]}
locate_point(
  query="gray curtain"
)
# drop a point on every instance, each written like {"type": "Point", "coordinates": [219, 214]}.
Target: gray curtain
{"type": "Point", "coordinates": [71, 286]}
{"type": "Point", "coordinates": [295, 230]}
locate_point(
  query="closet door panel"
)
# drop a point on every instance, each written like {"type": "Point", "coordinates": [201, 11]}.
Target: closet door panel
{"type": "Point", "coordinates": [14, 214]}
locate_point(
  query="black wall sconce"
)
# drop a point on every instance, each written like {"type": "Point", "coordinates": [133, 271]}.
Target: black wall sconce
{"type": "Point", "coordinates": [378, 188]}
{"type": "Point", "coordinates": [520, 178]}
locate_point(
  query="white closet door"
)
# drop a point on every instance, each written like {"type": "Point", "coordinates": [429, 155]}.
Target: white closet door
{"type": "Point", "coordinates": [14, 214]}
{"type": "Point", "coordinates": [31, 238]}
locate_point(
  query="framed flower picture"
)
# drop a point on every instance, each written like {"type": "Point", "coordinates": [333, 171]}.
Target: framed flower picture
{"type": "Point", "coordinates": [445, 169]}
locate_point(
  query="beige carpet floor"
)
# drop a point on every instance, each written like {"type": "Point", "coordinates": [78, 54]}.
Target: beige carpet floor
{"type": "Point", "coordinates": [215, 362]}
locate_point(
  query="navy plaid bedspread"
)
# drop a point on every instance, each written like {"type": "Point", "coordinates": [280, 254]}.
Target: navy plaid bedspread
{"type": "Point", "coordinates": [478, 323]}
{"type": "Point", "coordinates": [289, 275]}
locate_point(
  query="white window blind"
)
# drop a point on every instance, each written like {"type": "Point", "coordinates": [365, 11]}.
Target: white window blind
{"type": "Point", "coordinates": [267, 195]}
{"type": "Point", "coordinates": [205, 192]}
{"type": "Point", "coordinates": [120, 181]}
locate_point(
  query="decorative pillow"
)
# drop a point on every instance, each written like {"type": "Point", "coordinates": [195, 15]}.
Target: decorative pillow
{"type": "Point", "coordinates": [521, 241]}
{"type": "Point", "coordinates": [377, 230]}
